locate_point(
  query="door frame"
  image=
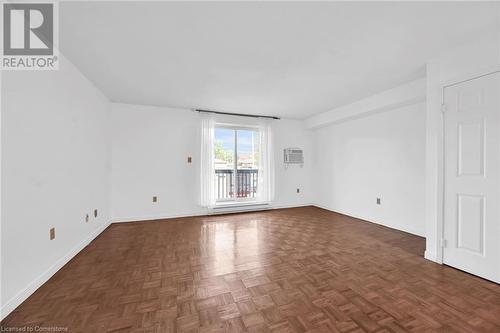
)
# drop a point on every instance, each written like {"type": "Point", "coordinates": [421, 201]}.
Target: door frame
{"type": "Point", "coordinates": [442, 156]}
{"type": "Point", "coordinates": [236, 128]}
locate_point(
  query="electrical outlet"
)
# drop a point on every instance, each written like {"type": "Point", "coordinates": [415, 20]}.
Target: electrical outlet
{"type": "Point", "coordinates": [298, 190]}
{"type": "Point", "coordinates": [190, 159]}
{"type": "Point", "coordinates": [155, 199]}
{"type": "Point", "coordinates": [86, 217]}
{"type": "Point", "coordinates": [95, 212]}
{"type": "Point", "coordinates": [52, 233]}
{"type": "Point", "coordinates": [378, 201]}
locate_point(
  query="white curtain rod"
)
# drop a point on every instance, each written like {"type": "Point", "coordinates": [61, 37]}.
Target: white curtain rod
{"type": "Point", "coordinates": [237, 114]}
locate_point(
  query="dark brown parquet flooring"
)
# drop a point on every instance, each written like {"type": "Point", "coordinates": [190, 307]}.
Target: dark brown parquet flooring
{"type": "Point", "coordinates": [291, 270]}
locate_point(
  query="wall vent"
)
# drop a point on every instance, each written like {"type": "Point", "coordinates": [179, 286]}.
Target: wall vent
{"type": "Point", "coordinates": [293, 156]}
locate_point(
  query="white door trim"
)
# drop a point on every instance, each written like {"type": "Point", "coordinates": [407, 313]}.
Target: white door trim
{"type": "Point", "coordinates": [442, 158]}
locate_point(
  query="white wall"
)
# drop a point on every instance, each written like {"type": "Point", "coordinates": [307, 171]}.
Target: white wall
{"type": "Point", "coordinates": [380, 155]}
{"type": "Point", "coordinates": [150, 146]}
{"type": "Point", "coordinates": [291, 133]}
{"type": "Point", "coordinates": [55, 169]}
{"type": "Point", "coordinates": [402, 95]}
{"type": "Point", "coordinates": [476, 57]}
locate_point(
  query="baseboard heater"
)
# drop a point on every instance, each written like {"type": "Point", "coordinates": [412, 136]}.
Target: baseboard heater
{"type": "Point", "coordinates": [239, 208]}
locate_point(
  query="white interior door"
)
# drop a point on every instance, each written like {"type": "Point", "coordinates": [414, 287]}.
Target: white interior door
{"type": "Point", "coordinates": [472, 181]}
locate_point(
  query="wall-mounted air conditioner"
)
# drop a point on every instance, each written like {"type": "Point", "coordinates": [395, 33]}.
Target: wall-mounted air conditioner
{"type": "Point", "coordinates": [293, 156]}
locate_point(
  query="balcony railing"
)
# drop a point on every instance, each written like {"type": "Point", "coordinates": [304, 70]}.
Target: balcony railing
{"type": "Point", "coordinates": [244, 186]}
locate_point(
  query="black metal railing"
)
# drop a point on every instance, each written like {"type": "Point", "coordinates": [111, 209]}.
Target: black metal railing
{"type": "Point", "coordinates": [243, 186]}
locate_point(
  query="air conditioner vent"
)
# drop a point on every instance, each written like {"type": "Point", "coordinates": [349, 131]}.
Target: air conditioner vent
{"type": "Point", "coordinates": [293, 156]}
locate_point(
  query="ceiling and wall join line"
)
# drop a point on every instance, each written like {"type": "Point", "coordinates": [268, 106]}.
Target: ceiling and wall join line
{"type": "Point", "coordinates": [293, 63]}
{"type": "Point", "coordinates": [405, 94]}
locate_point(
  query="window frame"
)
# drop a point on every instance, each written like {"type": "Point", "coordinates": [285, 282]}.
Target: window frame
{"type": "Point", "coordinates": [235, 128]}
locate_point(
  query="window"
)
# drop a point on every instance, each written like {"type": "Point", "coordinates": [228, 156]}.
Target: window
{"type": "Point", "coordinates": [236, 163]}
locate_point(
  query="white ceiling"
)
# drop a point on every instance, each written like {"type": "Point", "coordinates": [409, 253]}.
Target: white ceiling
{"type": "Point", "coordinates": [290, 59]}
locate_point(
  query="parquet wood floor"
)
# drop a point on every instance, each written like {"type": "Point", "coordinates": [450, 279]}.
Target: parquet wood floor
{"type": "Point", "coordinates": [291, 270]}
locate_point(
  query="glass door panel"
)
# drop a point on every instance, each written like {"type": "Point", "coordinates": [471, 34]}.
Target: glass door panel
{"type": "Point", "coordinates": [247, 155]}
{"type": "Point", "coordinates": [224, 147]}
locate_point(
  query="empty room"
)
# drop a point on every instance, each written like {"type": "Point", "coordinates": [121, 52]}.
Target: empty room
{"type": "Point", "coordinates": [250, 166]}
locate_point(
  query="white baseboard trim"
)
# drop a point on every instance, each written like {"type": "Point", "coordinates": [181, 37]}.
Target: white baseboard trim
{"type": "Point", "coordinates": [292, 206]}
{"type": "Point", "coordinates": [397, 227]}
{"type": "Point", "coordinates": [196, 213]}
{"type": "Point", "coordinates": [239, 208]}
{"type": "Point", "coordinates": [254, 208]}
{"type": "Point", "coordinates": [128, 219]}
{"type": "Point", "coordinates": [431, 256]}
{"type": "Point", "coordinates": [21, 296]}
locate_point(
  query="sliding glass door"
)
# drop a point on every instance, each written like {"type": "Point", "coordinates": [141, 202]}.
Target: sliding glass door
{"type": "Point", "coordinates": [236, 163]}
